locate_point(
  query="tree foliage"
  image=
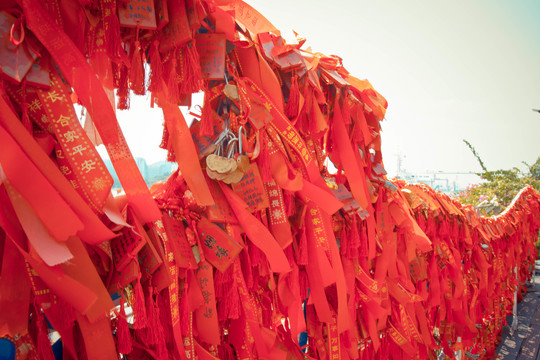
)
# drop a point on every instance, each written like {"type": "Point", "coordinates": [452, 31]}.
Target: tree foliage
{"type": "Point", "coordinates": [499, 187]}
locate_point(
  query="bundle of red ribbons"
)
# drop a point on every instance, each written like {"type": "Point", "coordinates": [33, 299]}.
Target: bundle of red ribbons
{"type": "Point", "coordinates": [253, 248]}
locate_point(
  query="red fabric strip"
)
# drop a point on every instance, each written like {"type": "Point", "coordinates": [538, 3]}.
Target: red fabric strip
{"type": "Point", "coordinates": [92, 95]}
{"type": "Point", "coordinates": [257, 232]}
{"type": "Point", "coordinates": [94, 231]}
{"type": "Point", "coordinates": [94, 180]}
{"type": "Point", "coordinates": [186, 154]}
{"type": "Point", "coordinates": [50, 250]}
{"type": "Point", "coordinates": [14, 292]}
{"type": "Point", "coordinates": [48, 205]}
{"type": "Point", "coordinates": [98, 332]}
{"type": "Point", "coordinates": [355, 176]}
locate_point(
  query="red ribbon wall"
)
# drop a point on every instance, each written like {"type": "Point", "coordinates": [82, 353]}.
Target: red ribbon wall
{"type": "Point", "coordinates": [253, 248]}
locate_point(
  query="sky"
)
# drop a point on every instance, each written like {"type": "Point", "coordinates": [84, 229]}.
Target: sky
{"type": "Point", "coordinates": [449, 70]}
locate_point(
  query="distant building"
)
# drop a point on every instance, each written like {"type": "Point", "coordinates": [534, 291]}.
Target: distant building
{"type": "Point", "coordinates": [447, 182]}
{"type": "Point", "coordinates": [151, 174]}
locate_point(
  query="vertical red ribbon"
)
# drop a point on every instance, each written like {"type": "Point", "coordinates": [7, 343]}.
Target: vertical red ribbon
{"type": "Point", "coordinates": [90, 91]}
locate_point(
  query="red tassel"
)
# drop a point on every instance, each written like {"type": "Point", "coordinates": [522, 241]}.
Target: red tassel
{"type": "Point", "coordinates": [353, 242]}
{"type": "Point", "coordinates": [254, 255]}
{"type": "Point", "coordinates": [233, 302]}
{"type": "Point", "coordinates": [164, 138]}
{"type": "Point", "coordinates": [63, 314]}
{"type": "Point", "coordinates": [114, 40]}
{"type": "Point", "coordinates": [207, 122]}
{"type": "Point", "coordinates": [43, 343]}
{"type": "Point", "coordinates": [304, 283]}
{"type": "Point", "coordinates": [289, 202]}
{"type": "Point", "coordinates": [123, 88]}
{"type": "Point", "coordinates": [227, 293]}
{"type": "Point", "coordinates": [152, 336]}
{"type": "Point", "coordinates": [184, 314]}
{"type": "Point", "coordinates": [343, 240]}
{"type": "Point", "coordinates": [363, 249]}
{"type": "Point", "coordinates": [267, 315]}
{"type": "Point", "coordinates": [154, 328]}
{"type": "Point", "coordinates": [172, 82]}
{"type": "Point", "coordinates": [229, 304]}
{"type": "Point", "coordinates": [191, 74]}
{"type": "Point", "coordinates": [136, 72]}
{"type": "Point", "coordinates": [302, 250]}
{"type": "Point", "coordinates": [263, 161]}
{"type": "Point", "coordinates": [247, 269]}
{"type": "Point", "coordinates": [123, 335]}
{"type": "Point", "coordinates": [155, 82]}
{"type": "Point", "coordinates": [151, 331]}
{"type": "Point", "coordinates": [293, 104]}
{"type": "Point", "coordinates": [225, 352]}
{"type": "Point", "coordinates": [222, 281]}
{"type": "Point", "coordinates": [139, 309]}
{"type": "Point", "coordinates": [160, 332]}
{"type": "Point", "coordinates": [163, 305]}
{"type": "Point", "coordinates": [166, 145]}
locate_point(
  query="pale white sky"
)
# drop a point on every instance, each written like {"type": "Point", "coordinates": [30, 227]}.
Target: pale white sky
{"type": "Point", "coordinates": [449, 70]}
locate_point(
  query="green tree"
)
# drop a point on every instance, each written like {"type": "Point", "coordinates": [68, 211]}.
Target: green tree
{"type": "Point", "coordinates": [499, 186]}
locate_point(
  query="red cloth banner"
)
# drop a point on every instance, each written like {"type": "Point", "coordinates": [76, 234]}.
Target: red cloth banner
{"type": "Point", "coordinates": [268, 255]}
